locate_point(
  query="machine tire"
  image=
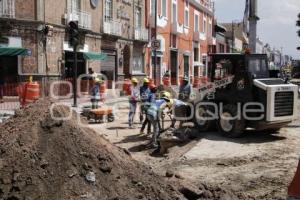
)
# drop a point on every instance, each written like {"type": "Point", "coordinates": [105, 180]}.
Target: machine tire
{"type": "Point", "coordinates": [204, 125]}
{"type": "Point", "coordinates": [231, 128]}
{"type": "Point", "coordinates": [111, 118]}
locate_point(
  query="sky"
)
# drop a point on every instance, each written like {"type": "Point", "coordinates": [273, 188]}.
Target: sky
{"type": "Point", "coordinates": [277, 25]}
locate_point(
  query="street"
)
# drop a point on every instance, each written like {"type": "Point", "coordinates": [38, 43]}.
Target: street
{"type": "Point", "coordinates": [258, 165]}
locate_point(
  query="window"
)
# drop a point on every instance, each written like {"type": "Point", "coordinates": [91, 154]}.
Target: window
{"type": "Point", "coordinates": [222, 69]}
{"type": "Point", "coordinates": [204, 25]}
{"type": "Point", "coordinates": [196, 23]}
{"type": "Point", "coordinates": [196, 54]}
{"type": "Point", "coordinates": [164, 8]}
{"type": "Point", "coordinates": [174, 11]}
{"type": "Point", "coordinates": [138, 17]}
{"type": "Point", "coordinates": [258, 68]}
{"type": "Point", "coordinates": [152, 10]}
{"type": "Point", "coordinates": [186, 14]}
{"type": "Point", "coordinates": [108, 10]}
{"type": "Point", "coordinates": [138, 64]}
{"type": "Point", "coordinates": [74, 5]}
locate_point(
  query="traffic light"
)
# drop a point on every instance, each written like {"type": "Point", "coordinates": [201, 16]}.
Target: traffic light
{"type": "Point", "coordinates": [74, 33]}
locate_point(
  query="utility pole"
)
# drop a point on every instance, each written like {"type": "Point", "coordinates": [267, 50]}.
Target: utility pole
{"type": "Point", "coordinates": [74, 41]}
{"type": "Point", "coordinates": [253, 18]}
{"type": "Point", "coordinates": [232, 41]}
{"type": "Point", "coordinates": [155, 38]}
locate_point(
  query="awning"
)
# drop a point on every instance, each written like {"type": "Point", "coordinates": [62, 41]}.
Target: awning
{"type": "Point", "coordinates": [94, 56]}
{"type": "Point", "coordinates": [13, 51]}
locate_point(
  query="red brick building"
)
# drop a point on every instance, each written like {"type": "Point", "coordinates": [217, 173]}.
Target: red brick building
{"type": "Point", "coordinates": [115, 28]}
{"type": "Point", "coordinates": [185, 31]}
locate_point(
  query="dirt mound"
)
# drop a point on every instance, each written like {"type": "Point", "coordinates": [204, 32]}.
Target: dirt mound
{"type": "Point", "coordinates": [45, 159]}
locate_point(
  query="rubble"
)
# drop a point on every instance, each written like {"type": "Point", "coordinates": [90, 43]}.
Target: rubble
{"type": "Point", "coordinates": [60, 160]}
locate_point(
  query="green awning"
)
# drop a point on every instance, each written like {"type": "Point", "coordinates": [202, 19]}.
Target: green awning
{"type": "Point", "coordinates": [94, 56]}
{"type": "Point", "coordinates": [13, 51]}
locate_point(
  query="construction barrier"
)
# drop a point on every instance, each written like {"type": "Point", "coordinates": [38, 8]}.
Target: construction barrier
{"type": "Point", "coordinates": [28, 92]}
{"type": "Point", "coordinates": [126, 87]}
{"type": "Point", "coordinates": [294, 189]}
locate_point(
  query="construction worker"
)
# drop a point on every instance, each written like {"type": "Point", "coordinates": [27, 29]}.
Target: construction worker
{"type": "Point", "coordinates": [185, 90]}
{"type": "Point", "coordinates": [95, 93]}
{"type": "Point", "coordinates": [147, 102]}
{"type": "Point", "coordinates": [144, 94]}
{"type": "Point", "coordinates": [153, 115]}
{"type": "Point", "coordinates": [133, 100]}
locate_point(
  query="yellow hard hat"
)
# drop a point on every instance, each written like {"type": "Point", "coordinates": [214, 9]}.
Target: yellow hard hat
{"type": "Point", "coordinates": [134, 80]}
{"type": "Point", "coordinates": [98, 80]}
{"type": "Point", "coordinates": [146, 80]}
{"type": "Point", "coordinates": [167, 95]}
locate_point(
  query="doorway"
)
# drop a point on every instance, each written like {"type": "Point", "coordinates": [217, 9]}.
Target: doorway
{"type": "Point", "coordinates": [174, 67]}
{"type": "Point", "coordinates": [186, 65]}
{"type": "Point", "coordinates": [69, 63]}
{"type": "Point", "coordinates": [126, 61]}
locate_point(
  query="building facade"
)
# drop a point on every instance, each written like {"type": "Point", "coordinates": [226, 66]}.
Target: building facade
{"type": "Point", "coordinates": [115, 28]}
{"type": "Point", "coordinates": [185, 32]}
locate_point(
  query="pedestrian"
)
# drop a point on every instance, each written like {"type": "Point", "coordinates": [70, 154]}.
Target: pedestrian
{"type": "Point", "coordinates": [133, 100]}
{"type": "Point", "coordinates": [2, 82]}
{"type": "Point", "coordinates": [153, 115]}
{"type": "Point", "coordinates": [151, 99]}
{"type": "Point", "coordinates": [185, 90]}
{"type": "Point", "coordinates": [95, 93]}
{"type": "Point", "coordinates": [144, 94]}
{"type": "Point", "coordinates": [92, 74]}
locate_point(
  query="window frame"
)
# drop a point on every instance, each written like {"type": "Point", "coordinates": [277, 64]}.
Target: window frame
{"type": "Point", "coordinates": [186, 17]}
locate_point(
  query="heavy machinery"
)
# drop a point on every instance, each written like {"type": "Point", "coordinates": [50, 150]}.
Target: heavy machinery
{"type": "Point", "coordinates": [242, 95]}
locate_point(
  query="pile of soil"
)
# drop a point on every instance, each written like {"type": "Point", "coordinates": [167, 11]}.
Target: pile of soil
{"type": "Point", "coordinates": [41, 158]}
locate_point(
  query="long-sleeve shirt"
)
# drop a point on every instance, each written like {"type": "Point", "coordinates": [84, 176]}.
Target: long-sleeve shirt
{"type": "Point", "coordinates": [135, 94]}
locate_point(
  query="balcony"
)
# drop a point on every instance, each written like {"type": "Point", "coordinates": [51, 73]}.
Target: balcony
{"type": "Point", "coordinates": [141, 34]}
{"type": "Point", "coordinates": [176, 28]}
{"type": "Point", "coordinates": [209, 4]}
{"type": "Point", "coordinates": [196, 36]}
{"type": "Point", "coordinates": [112, 27]}
{"type": "Point", "coordinates": [7, 8]}
{"type": "Point", "coordinates": [84, 18]}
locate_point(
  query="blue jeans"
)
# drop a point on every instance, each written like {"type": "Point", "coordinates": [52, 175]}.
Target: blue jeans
{"type": "Point", "coordinates": [155, 123]}
{"type": "Point", "coordinates": [132, 111]}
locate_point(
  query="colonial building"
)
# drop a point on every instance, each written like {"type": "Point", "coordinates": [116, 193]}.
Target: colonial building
{"type": "Point", "coordinates": [114, 28]}
{"type": "Point", "coordinates": [185, 32]}
{"type": "Point", "coordinates": [235, 33]}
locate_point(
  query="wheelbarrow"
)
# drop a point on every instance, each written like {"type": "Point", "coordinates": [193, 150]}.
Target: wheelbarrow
{"type": "Point", "coordinates": [99, 115]}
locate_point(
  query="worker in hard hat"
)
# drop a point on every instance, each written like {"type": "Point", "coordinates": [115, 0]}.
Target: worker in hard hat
{"type": "Point", "coordinates": [95, 93]}
{"type": "Point", "coordinates": [133, 100]}
{"type": "Point", "coordinates": [153, 114]}
{"type": "Point", "coordinates": [144, 94]}
{"type": "Point", "coordinates": [185, 90]}
{"type": "Point", "coordinates": [145, 105]}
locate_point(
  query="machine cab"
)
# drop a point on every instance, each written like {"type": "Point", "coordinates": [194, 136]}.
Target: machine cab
{"type": "Point", "coordinates": [253, 65]}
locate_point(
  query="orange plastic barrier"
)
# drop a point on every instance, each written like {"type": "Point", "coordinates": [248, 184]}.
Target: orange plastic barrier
{"type": "Point", "coordinates": [28, 92]}
{"type": "Point", "coordinates": [196, 82]}
{"type": "Point", "coordinates": [126, 86]}
{"type": "Point", "coordinates": [294, 189]}
{"type": "Point", "coordinates": [32, 92]}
